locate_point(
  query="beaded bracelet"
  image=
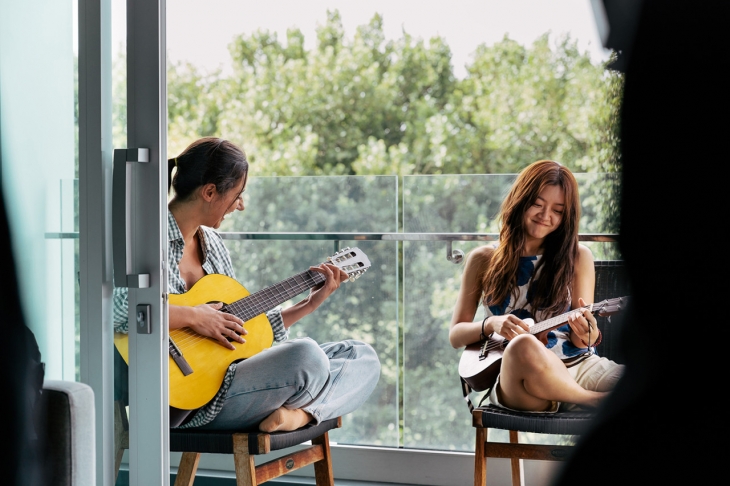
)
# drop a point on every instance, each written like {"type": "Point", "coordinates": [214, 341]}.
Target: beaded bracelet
{"type": "Point", "coordinates": [598, 341]}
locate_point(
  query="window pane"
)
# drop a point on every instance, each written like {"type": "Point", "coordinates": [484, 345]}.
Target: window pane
{"type": "Point", "coordinates": [345, 204]}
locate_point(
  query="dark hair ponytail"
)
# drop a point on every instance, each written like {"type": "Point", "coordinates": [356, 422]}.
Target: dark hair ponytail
{"type": "Point", "coordinates": [209, 160]}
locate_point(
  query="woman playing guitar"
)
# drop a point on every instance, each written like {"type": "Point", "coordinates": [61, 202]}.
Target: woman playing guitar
{"type": "Point", "coordinates": [537, 270]}
{"type": "Point", "coordinates": [287, 386]}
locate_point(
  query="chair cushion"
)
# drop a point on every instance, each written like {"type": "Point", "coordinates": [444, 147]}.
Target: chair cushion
{"type": "Point", "coordinates": [220, 441]}
{"type": "Point", "coordinates": [567, 423]}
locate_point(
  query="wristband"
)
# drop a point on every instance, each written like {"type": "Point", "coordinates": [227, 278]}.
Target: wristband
{"type": "Point", "coordinates": [598, 341]}
{"type": "Point", "coordinates": [482, 336]}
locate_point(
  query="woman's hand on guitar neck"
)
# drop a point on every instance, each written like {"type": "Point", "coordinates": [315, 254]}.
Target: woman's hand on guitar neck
{"type": "Point", "coordinates": [580, 322]}
{"type": "Point", "coordinates": [333, 275]}
{"type": "Point", "coordinates": [207, 320]}
{"type": "Point", "coordinates": [508, 326]}
{"type": "Point", "coordinates": [333, 278]}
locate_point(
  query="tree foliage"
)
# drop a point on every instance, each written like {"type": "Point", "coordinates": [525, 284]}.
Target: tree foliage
{"type": "Point", "coordinates": [374, 106]}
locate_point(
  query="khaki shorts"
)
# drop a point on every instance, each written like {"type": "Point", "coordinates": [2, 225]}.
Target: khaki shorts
{"type": "Point", "coordinates": [593, 373]}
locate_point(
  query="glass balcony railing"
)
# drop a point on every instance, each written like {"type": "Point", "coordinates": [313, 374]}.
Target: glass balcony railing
{"type": "Point", "coordinates": [415, 231]}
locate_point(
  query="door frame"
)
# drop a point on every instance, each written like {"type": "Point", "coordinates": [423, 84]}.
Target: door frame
{"type": "Point", "coordinates": [146, 128]}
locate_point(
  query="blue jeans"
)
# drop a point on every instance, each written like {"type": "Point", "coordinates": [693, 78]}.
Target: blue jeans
{"type": "Point", "coordinates": [327, 380]}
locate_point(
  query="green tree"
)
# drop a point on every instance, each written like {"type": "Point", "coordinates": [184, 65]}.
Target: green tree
{"type": "Point", "coordinates": [371, 106]}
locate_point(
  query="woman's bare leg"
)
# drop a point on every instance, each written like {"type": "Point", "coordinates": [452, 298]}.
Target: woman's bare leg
{"type": "Point", "coordinates": [531, 376]}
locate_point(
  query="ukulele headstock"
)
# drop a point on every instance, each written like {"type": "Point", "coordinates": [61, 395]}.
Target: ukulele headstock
{"type": "Point", "coordinates": [353, 261]}
{"type": "Point", "coordinates": [609, 307]}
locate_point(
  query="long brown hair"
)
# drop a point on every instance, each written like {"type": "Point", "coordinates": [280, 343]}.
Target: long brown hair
{"type": "Point", "coordinates": [550, 290]}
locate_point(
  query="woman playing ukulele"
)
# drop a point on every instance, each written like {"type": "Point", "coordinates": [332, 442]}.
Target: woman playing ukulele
{"type": "Point", "coordinates": [537, 270]}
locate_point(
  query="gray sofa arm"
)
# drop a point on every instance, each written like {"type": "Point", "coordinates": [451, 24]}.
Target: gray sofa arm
{"type": "Point", "coordinates": [68, 421]}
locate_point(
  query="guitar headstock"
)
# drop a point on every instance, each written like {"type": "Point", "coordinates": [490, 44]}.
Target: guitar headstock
{"type": "Point", "coordinates": [610, 306]}
{"type": "Point", "coordinates": [352, 260]}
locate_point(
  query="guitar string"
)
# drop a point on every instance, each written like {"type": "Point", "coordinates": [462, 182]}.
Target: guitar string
{"type": "Point", "coordinates": [259, 303]}
{"type": "Point", "coordinates": [266, 296]}
{"type": "Point", "coordinates": [255, 299]}
{"type": "Point", "coordinates": [262, 300]}
{"type": "Point", "coordinates": [195, 339]}
{"type": "Point", "coordinates": [186, 339]}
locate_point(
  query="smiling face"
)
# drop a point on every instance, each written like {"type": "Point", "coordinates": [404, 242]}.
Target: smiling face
{"type": "Point", "coordinates": [224, 204]}
{"type": "Point", "coordinates": [544, 215]}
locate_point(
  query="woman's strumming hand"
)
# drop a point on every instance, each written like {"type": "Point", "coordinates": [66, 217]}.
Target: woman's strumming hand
{"type": "Point", "coordinates": [508, 326]}
{"type": "Point", "coordinates": [221, 326]}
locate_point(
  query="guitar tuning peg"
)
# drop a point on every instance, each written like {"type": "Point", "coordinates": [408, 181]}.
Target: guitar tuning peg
{"type": "Point", "coordinates": [351, 279]}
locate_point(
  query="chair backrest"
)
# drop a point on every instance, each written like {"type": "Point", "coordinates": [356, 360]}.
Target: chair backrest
{"type": "Point", "coordinates": [611, 282]}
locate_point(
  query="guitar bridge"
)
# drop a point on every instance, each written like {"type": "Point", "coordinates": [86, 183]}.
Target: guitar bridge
{"type": "Point", "coordinates": [484, 351]}
{"type": "Point", "coordinates": [179, 360]}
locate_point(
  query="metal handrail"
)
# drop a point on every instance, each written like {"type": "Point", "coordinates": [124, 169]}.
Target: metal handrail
{"type": "Point", "coordinates": [236, 235]}
{"type": "Point", "coordinates": [454, 256]}
{"type": "Point", "coordinates": [239, 235]}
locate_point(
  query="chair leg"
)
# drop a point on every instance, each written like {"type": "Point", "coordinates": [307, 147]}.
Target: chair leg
{"type": "Point", "coordinates": [119, 454]}
{"type": "Point", "coordinates": [187, 469]}
{"type": "Point", "coordinates": [323, 468]}
{"type": "Point", "coordinates": [480, 458]}
{"type": "Point", "coordinates": [517, 464]}
{"type": "Point", "coordinates": [244, 462]}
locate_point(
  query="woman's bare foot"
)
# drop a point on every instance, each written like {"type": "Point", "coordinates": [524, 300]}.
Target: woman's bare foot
{"type": "Point", "coordinates": [284, 419]}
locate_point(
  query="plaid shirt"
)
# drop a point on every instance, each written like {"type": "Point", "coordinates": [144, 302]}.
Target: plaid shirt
{"type": "Point", "coordinates": [216, 259]}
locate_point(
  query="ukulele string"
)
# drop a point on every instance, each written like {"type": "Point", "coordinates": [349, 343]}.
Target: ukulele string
{"type": "Point", "coordinates": [544, 325]}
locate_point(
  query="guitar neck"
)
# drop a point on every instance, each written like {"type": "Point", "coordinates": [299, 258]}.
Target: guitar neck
{"type": "Point", "coordinates": [269, 297]}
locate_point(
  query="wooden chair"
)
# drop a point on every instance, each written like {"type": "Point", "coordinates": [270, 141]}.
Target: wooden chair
{"type": "Point", "coordinates": [244, 445]}
{"type": "Point", "coordinates": [611, 282]}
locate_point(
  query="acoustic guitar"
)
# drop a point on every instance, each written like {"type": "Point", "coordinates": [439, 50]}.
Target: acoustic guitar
{"type": "Point", "coordinates": [480, 362]}
{"type": "Point", "coordinates": [198, 364]}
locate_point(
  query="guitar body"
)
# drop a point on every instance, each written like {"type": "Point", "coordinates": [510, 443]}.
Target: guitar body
{"type": "Point", "coordinates": [208, 359]}
{"type": "Point", "coordinates": [479, 372]}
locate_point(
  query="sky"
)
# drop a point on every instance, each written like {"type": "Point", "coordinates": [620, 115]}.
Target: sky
{"type": "Point", "coordinates": [199, 31]}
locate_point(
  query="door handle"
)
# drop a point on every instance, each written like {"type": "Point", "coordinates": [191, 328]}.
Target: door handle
{"type": "Point", "coordinates": [120, 222]}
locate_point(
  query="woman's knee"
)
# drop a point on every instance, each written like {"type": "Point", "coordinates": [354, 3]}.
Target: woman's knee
{"type": "Point", "coordinates": [523, 344]}
{"type": "Point", "coordinates": [526, 350]}
{"type": "Point", "coordinates": [364, 351]}
{"type": "Point", "coordinates": [305, 355]}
